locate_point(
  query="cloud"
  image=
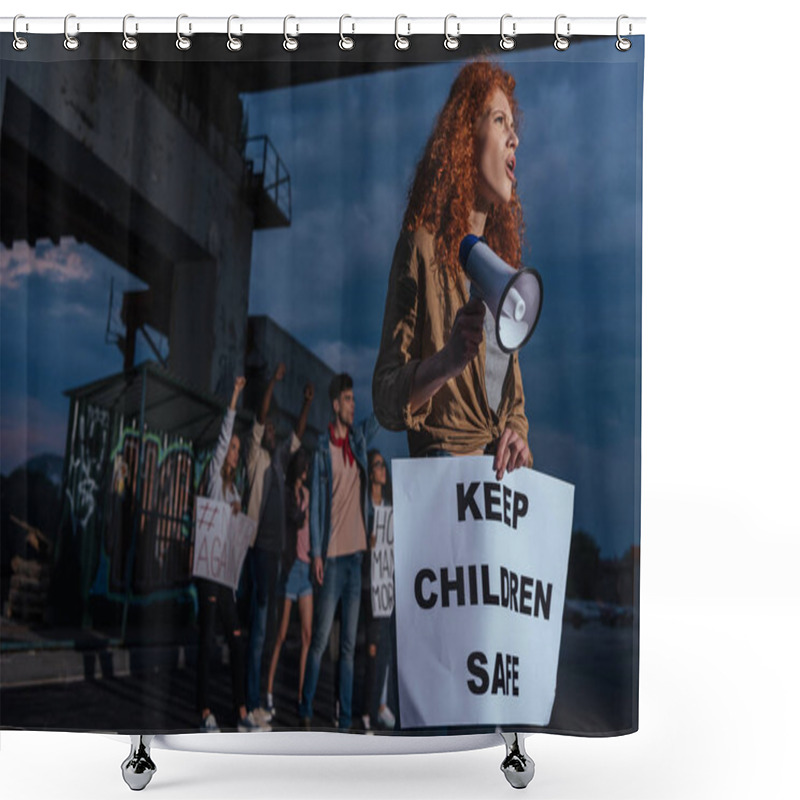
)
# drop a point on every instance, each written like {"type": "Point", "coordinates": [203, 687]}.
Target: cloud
{"type": "Point", "coordinates": [337, 253]}
{"type": "Point", "coordinates": [577, 160]}
{"type": "Point", "coordinates": [72, 311]}
{"type": "Point", "coordinates": [62, 264]}
{"type": "Point", "coordinates": [357, 360]}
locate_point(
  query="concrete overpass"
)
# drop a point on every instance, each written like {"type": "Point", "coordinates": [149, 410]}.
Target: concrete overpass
{"type": "Point", "coordinates": [110, 156]}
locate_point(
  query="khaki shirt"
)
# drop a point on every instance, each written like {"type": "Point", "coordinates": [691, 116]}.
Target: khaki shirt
{"type": "Point", "coordinates": [421, 306]}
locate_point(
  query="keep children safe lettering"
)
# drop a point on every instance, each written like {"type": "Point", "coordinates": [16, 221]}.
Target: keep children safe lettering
{"type": "Point", "coordinates": [448, 586]}
{"type": "Point", "coordinates": [461, 585]}
{"type": "Point", "coordinates": [516, 592]}
{"type": "Point", "coordinates": [480, 568]}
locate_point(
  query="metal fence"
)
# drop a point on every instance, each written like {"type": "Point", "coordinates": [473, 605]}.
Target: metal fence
{"type": "Point", "coordinates": [268, 173]}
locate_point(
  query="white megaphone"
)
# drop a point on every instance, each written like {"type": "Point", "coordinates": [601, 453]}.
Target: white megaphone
{"type": "Point", "coordinates": [514, 296]}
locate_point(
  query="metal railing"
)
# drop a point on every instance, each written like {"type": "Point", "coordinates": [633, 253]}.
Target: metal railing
{"type": "Point", "coordinates": [161, 557]}
{"type": "Point", "coordinates": [269, 173]}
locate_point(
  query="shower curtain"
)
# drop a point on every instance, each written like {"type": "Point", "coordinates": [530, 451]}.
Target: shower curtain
{"type": "Point", "coordinates": [235, 328]}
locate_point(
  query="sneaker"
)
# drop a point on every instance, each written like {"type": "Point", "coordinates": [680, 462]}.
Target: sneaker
{"type": "Point", "coordinates": [209, 724]}
{"type": "Point", "coordinates": [305, 723]}
{"type": "Point", "coordinates": [270, 709]}
{"type": "Point", "coordinates": [386, 718]}
{"type": "Point", "coordinates": [263, 716]}
{"type": "Point", "coordinates": [365, 722]}
{"type": "Point", "coordinates": [248, 724]}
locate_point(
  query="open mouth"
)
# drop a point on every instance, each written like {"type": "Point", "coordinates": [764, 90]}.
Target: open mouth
{"type": "Point", "coordinates": [510, 165]}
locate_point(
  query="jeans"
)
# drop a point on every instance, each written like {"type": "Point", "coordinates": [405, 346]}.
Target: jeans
{"type": "Point", "coordinates": [380, 633]}
{"type": "Point", "coordinates": [342, 580]}
{"type": "Point", "coordinates": [264, 569]}
{"type": "Point", "coordinates": [214, 598]}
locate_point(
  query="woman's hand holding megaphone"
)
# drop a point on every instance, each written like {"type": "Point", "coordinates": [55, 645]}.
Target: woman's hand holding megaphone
{"type": "Point", "coordinates": [461, 347]}
{"type": "Point", "coordinates": [466, 336]}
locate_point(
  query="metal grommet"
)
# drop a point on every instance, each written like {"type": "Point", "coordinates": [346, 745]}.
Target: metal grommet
{"type": "Point", "coordinates": [70, 42]}
{"type": "Point", "coordinates": [560, 43]}
{"type": "Point", "coordinates": [346, 42]}
{"type": "Point", "coordinates": [129, 42]}
{"type": "Point", "coordinates": [19, 43]}
{"type": "Point", "coordinates": [289, 43]}
{"type": "Point", "coordinates": [182, 42]}
{"type": "Point", "coordinates": [507, 42]}
{"type": "Point", "coordinates": [451, 42]}
{"type": "Point", "coordinates": [623, 44]}
{"type": "Point", "coordinates": [234, 43]}
{"type": "Point", "coordinates": [401, 42]}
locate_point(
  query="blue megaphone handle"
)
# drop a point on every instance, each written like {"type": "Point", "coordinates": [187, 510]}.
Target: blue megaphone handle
{"type": "Point", "coordinates": [464, 249]}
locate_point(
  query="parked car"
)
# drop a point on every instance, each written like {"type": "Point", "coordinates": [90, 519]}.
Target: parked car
{"type": "Point", "coordinates": [579, 612]}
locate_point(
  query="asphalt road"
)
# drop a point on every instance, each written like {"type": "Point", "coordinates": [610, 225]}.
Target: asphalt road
{"type": "Point", "coordinates": [596, 692]}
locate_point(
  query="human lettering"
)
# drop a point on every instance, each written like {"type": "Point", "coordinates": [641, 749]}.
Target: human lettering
{"type": "Point", "coordinates": [500, 503]}
{"type": "Point", "coordinates": [448, 587]}
{"type": "Point", "coordinates": [503, 679]}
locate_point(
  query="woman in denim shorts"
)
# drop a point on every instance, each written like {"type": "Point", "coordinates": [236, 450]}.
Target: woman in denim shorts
{"type": "Point", "coordinates": [296, 584]}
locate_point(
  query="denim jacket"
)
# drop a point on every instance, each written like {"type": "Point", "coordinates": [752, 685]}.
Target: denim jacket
{"type": "Point", "coordinates": [321, 482]}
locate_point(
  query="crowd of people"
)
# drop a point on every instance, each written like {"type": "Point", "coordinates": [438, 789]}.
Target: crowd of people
{"type": "Point", "coordinates": [312, 516]}
{"type": "Point", "coordinates": [440, 375]}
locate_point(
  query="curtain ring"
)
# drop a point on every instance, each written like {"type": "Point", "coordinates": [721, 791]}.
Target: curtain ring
{"type": "Point", "coordinates": [129, 42]}
{"type": "Point", "coordinates": [182, 42]}
{"type": "Point", "coordinates": [401, 42]}
{"type": "Point", "coordinates": [623, 44]}
{"type": "Point", "coordinates": [561, 43]}
{"type": "Point", "coordinates": [345, 42]}
{"type": "Point", "coordinates": [289, 42]}
{"type": "Point", "coordinates": [19, 43]}
{"type": "Point", "coordinates": [451, 42]}
{"type": "Point", "coordinates": [234, 43]}
{"type": "Point", "coordinates": [507, 42]}
{"type": "Point", "coordinates": [70, 42]}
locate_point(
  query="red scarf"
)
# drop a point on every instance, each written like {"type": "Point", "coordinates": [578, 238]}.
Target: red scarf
{"type": "Point", "coordinates": [344, 443]}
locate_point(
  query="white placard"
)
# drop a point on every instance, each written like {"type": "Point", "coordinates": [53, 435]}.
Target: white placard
{"type": "Point", "coordinates": [480, 577]}
{"type": "Point", "coordinates": [221, 541]}
{"type": "Point", "coordinates": [382, 562]}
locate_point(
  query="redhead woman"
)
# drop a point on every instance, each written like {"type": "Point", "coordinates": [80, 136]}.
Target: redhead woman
{"type": "Point", "coordinates": [440, 374]}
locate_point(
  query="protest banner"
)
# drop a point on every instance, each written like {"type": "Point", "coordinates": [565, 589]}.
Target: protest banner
{"type": "Point", "coordinates": [480, 577]}
{"type": "Point", "coordinates": [221, 541]}
{"type": "Point", "coordinates": [382, 562]}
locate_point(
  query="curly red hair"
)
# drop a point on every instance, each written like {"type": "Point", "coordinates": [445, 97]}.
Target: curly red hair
{"type": "Point", "coordinates": [445, 185]}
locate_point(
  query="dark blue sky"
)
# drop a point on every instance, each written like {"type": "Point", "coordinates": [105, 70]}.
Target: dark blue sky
{"type": "Point", "coordinates": [351, 146]}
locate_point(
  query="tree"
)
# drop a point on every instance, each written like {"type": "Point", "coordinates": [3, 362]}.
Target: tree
{"type": "Point", "coordinates": [584, 567]}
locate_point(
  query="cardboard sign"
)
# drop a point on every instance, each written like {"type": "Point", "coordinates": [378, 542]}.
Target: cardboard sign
{"type": "Point", "coordinates": [382, 563]}
{"type": "Point", "coordinates": [480, 576]}
{"type": "Point", "coordinates": [221, 541]}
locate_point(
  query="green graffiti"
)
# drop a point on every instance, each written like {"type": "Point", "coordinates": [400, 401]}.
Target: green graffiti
{"type": "Point", "coordinates": [163, 452]}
